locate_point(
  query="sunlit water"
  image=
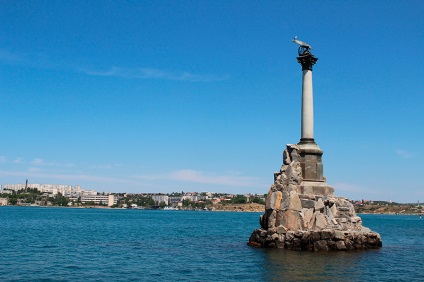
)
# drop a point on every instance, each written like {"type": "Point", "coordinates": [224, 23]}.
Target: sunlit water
{"type": "Point", "coordinates": [65, 244]}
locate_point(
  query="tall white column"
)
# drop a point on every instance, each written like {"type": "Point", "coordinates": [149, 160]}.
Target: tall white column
{"type": "Point", "coordinates": [307, 60]}
{"type": "Point", "coordinates": [307, 106]}
{"type": "Point", "coordinates": [310, 154]}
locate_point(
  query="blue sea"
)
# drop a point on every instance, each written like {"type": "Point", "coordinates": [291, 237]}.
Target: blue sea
{"type": "Point", "coordinates": [67, 244]}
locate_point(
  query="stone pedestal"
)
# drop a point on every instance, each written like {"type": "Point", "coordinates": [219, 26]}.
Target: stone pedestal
{"type": "Point", "coordinates": [304, 214]}
{"type": "Point", "coordinates": [310, 160]}
{"type": "Point", "coordinates": [315, 188]}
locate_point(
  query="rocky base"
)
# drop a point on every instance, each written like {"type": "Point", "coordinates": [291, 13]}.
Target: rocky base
{"type": "Point", "coordinates": [305, 214]}
{"type": "Point", "coordinates": [324, 240]}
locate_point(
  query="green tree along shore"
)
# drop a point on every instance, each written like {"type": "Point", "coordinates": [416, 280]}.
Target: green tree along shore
{"type": "Point", "coordinates": [33, 196]}
{"type": "Point", "coordinates": [127, 200]}
{"type": "Point", "coordinates": [147, 201]}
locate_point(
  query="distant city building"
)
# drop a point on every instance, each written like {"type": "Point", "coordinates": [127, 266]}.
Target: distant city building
{"type": "Point", "coordinates": [191, 197]}
{"type": "Point", "coordinates": [77, 195]}
{"type": "Point", "coordinates": [174, 201]}
{"type": "Point", "coordinates": [3, 201]}
{"type": "Point", "coordinates": [9, 192]}
{"type": "Point", "coordinates": [216, 201]}
{"type": "Point", "coordinates": [97, 199]}
{"type": "Point", "coordinates": [54, 189]}
{"type": "Point", "coordinates": [159, 199]}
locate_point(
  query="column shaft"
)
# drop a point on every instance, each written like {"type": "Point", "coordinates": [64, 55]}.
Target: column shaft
{"type": "Point", "coordinates": [307, 106]}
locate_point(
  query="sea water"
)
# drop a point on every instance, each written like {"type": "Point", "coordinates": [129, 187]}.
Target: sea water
{"type": "Point", "coordinates": [69, 244]}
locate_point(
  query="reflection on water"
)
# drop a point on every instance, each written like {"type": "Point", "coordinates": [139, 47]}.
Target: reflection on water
{"type": "Point", "coordinates": [400, 259]}
{"type": "Point", "coordinates": [290, 265]}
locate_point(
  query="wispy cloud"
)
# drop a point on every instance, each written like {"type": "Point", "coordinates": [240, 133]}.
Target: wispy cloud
{"type": "Point", "coordinates": [404, 154]}
{"type": "Point", "coordinates": [348, 187]}
{"type": "Point", "coordinates": [34, 162]}
{"type": "Point", "coordinates": [188, 175]}
{"type": "Point", "coordinates": [10, 57]}
{"type": "Point", "coordinates": [43, 61]}
{"type": "Point", "coordinates": [42, 162]}
{"type": "Point", "coordinates": [355, 190]}
{"type": "Point", "coordinates": [33, 170]}
{"type": "Point", "coordinates": [38, 162]}
{"type": "Point", "coordinates": [201, 177]}
{"type": "Point", "coordinates": [106, 166]}
{"type": "Point", "coordinates": [151, 73]}
{"type": "Point", "coordinates": [37, 174]}
{"type": "Point", "coordinates": [18, 160]}
{"type": "Point", "coordinates": [40, 167]}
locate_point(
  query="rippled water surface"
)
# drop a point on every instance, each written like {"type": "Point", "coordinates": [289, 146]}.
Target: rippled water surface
{"type": "Point", "coordinates": [65, 244]}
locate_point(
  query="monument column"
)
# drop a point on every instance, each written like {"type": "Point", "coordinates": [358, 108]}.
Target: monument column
{"type": "Point", "coordinates": [310, 154]}
{"type": "Point", "coordinates": [307, 60]}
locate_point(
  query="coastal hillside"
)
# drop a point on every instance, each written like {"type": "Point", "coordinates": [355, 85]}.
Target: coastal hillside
{"type": "Point", "coordinates": [375, 208]}
{"type": "Point", "coordinates": [389, 209]}
{"type": "Point", "coordinates": [249, 207]}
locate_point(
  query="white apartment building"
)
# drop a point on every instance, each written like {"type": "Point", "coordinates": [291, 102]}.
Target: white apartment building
{"type": "Point", "coordinates": [97, 199]}
{"type": "Point", "coordinates": [161, 199]}
{"type": "Point", "coordinates": [54, 189]}
{"type": "Point", "coordinates": [191, 198]}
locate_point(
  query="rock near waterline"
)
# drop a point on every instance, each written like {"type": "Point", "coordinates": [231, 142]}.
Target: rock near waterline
{"type": "Point", "coordinates": [315, 220]}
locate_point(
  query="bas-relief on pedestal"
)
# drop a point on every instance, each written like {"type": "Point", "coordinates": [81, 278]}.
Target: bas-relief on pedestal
{"type": "Point", "coordinates": [301, 210]}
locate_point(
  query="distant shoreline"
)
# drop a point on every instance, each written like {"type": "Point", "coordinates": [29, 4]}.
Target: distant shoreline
{"type": "Point", "coordinates": [252, 207]}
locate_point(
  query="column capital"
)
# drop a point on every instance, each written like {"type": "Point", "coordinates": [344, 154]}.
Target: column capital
{"type": "Point", "coordinates": [307, 60]}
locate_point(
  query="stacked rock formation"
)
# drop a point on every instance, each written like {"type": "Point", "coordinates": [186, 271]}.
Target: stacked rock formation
{"type": "Point", "coordinates": [302, 218]}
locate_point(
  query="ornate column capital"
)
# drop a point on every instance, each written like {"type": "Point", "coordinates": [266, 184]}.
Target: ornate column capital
{"type": "Point", "coordinates": [307, 60]}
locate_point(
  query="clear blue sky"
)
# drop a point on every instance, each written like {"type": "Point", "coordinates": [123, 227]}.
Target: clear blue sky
{"type": "Point", "coordinates": [162, 96]}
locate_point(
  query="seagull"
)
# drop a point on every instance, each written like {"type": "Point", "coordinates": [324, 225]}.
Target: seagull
{"type": "Point", "coordinates": [301, 43]}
